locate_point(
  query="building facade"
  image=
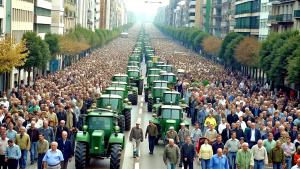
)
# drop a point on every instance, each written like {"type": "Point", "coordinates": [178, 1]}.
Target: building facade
{"type": "Point", "coordinates": [42, 17]}
{"type": "Point", "coordinates": [57, 17]}
{"type": "Point", "coordinates": [2, 18]}
{"type": "Point", "coordinates": [69, 15]}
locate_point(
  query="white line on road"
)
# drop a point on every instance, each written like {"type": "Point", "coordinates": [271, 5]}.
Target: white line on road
{"type": "Point", "coordinates": [142, 99]}
{"type": "Point", "coordinates": [139, 119]}
{"type": "Point", "coordinates": [140, 112]}
{"type": "Point", "coordinates": [141, 104]}
{"type": "Point", "coordinates": [137, 166]}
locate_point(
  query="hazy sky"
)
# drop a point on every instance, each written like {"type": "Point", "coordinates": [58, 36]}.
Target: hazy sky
{"type": "Point", "coordinates": [139, 6]}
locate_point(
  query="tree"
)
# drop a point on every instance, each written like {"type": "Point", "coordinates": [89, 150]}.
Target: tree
{"type": "Point", "coordinates": [211, 45]}
{"type": "Point", "coordinates": [247, 52]}
{"type": "Point", "coordinates": [39, 52]}
{"type": "Point", "coordinates": [199, 38]}
{"type": "Point", "coordinates": [293, 68]}
{"type": "Point", "coordinates": [70, 46]}
{"type": "Point", "coordinates": [12, 54]}
{"type": "Point", "coordinates": [228, 38]}
{"type": "Point", "coordinates": [53, 42]}
{"type": "Point", "coordinates": [230, 52]}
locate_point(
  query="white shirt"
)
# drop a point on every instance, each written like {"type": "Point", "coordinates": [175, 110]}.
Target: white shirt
{"type": "Point", "coordinates": [222, 101]}
{"type": "Point", "coordinates": [240, 113]}
{"type": "Point", "coordinates": [222, 126]}
{"type": "Point", "coordinates": [252, 135]}
{"type": "Point", "coordinates": [6, 104]}
{"type": "Point", "coordinates": [241, 85]}
{"type": "Point", "coordinates": [3, 144]}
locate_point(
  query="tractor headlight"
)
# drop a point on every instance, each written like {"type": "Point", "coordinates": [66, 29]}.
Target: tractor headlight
{"type": "Point", "coordinates": [96, 148]}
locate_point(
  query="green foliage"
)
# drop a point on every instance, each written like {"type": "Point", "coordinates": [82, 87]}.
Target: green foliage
{"type": "Point", "coordinates": [293, 68]}
{"type": "Point", "coordinates": [53, 42]}
{"type": "Point", "coordinates": [230, 52]}
{"type": "Point", "coordinates": [228, 38]}
{"type": "Point", "coordinates": [199, 38]}
{"type": "Point", "coordinates": [192, 36]}
{"type": "Point", "coordinates": [39, 51]}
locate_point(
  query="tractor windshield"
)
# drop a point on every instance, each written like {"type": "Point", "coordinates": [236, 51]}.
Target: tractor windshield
{"type": "Point", "coordinates": [171, 98]}
{"type": "Point", "coordinates": [113, 103]}
{"type": "Point", "coordinates": [120, 78]}
{"type": "Point", "coordinates": [167, 78]}
{"type": "Point", "coordinates": [99, 123]}
{"type": "Point", "coordinates": [171, 114]}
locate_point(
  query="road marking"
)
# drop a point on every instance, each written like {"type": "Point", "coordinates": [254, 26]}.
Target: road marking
{"type": "Point", "coordinates": [139, 119]}
{"type": "Point", "coordinates": [141, 104]}
{"type": "Point", "coordinates": [137, 166]}
{"type": "Point", "coordinates": [140, 112]}
{"type": "Point", "coordinates": [142, 99]}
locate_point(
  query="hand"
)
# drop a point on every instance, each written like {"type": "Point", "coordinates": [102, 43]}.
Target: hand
{"type": "Point", "coordinates": [70, 159]}
{"type": "Point", "coordinates": [6, 160]}
{"type": "Point", "coordinates": [251, 166]}
{"type": "Point", "coordinates": [271, 164]}
{"type": "Point", "coordinates": [165, 163]}
{"type": "Point", "coordinates": [178, 163]}
{"type": "Point", "coordinates": [185, 159]}
{"type": "Point", "coordinates": [194, 159]}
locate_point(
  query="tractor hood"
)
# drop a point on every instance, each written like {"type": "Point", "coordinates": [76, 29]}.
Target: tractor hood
{"type": "Point", "coordinates": [97, 142]}
{"type": "Point", "coordinates": [170, 123]}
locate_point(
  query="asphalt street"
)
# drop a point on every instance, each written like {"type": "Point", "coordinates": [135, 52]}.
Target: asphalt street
{"type": "Point", "coordinates": [146, 160]}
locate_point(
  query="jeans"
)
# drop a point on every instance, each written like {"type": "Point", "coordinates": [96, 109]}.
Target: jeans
{"type": "Point", "coordinates": [193, 115]}
{"type": "Point", "coordinates": [40, 161]}
{"type": "Point", "coordinates": [151, 140]}
{"type": "Point", "coordinates": [180, 145]}
{"type": "Point", "coordinates": [136, 145]}
{"type": "Point", "coordinates": [288, 161]}
{"type": "Point", "coordinates": [3, 164]}
{"type": "Point", "coordinates": [277, 165]}
{"type": "Point", "coordinates": [23, 159]}
{"type": "Point", "coordinates": [12, 164]}
{"type": "Point", "coordinates": [32, 151]}
{"type": "Point", "coordinates": [171, 166]}
{"type": "Point", "coordinates": [259, 164]}
{"type": "Point", "coordinates": [188, 163]}
{"type": "Point", "coordinates": [232, 157]}
{"type": "Point", "coordinates": [205, 163]}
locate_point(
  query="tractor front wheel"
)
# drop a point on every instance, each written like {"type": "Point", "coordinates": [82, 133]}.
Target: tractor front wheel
{"type": "Point", "coordinates": [134, 99]}
{"type": "Point", "coordinates": [121, 124]}
{"type": "Point", "coordinates": [81, 156]}
{"type": "Point", "coordinates": [149, 106]}
{"type": "Point", "coordinates": [140, 89]}
{"type": "Point", "coordinates": [127, 120]}
{"type": "Point", "coordinates": [115, 156]}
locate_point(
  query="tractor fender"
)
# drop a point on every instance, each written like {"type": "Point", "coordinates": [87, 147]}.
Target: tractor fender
{"type": "Point", "coordinates": [80, 136]}
{"type": "Point", "coordinates": [128, 107]}
{"type": "Point", "coordinates": [117, 139]}
{"type": "Point", "coordinates": [185, 122]}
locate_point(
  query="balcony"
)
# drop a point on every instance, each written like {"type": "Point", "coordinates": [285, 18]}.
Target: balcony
{"type": "Point", "coordinates": [226, 1]}
{"type": "Point", "coordinates": [224, 24]}
{"type": "Point", "coordinates": [204, 11]}
{"type": "Point", "coordinates": [192, 18]}
{"type": "Point", "coordinates": [226, 12]}
{"type": "Point", "coordinates": [223, 35]}
{"type": "Point", "coordinates": [297, 14]}
{"type": "Point", "coordinates": [192, 3]}
{"type": "Point", "coordinates": [281, 19]}
{"type": "Point", "coordinates": [217, 3]}
{"type": "Point", "coordinates": [192, 10]}
{"type": "Point", "coordinates": [215, 26]}
{"type": "Point", "coordinates": [216, 15]}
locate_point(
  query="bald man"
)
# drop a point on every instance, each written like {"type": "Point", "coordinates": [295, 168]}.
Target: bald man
{"type": "Point", "coordinates": [219, 161]}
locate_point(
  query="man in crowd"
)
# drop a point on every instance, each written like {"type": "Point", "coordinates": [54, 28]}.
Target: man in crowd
{"type": "Point", "coordinates": [12, 155]}
{"type": "Point", "coordinates": [34, 137]}
{"type": "Point", "coordinates": [260, 155]}
{"type": "Point", "coordinates": [152, 132]}
{"type": "Point", "coordinates": [3, 145]}
{"type": "Point", "coordinates": [23, 141]}
{"type": "Point", "coordinates": [171, 156]}
{"type": "Point", "coordinates": [188, 153]}
{"type": "Point", "coordinates": [219, 161]}
{"type": "Point", "coordinates": [231, 148]}
{"type": "Point", "coordinates": [136, 137]}
{"type": "Point", "coordinates": [53, 157]}
{"type": "Point", "coordinates": [244, 158]}
{"type": "Point", "coordinates": [42, 148]}
{"type": "Point", "coordinates": [277, 159]}
{"type": "Point", "coordinates": [65, 146]}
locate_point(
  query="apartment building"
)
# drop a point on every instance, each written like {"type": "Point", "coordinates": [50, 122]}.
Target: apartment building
{"type": "Point", "coordinates": [285, 16]}
{"type": "Point", "coordinates": [247, 17]}
{"type": "Point", "coordinates": [2, 18]}
{"type": "Point", "coordinates": [97, 14]}
{"type": "Point", "coordinates": [104, 14]}
{"type": "Point", "coordinates": [69, 15]}
{"type": "Point", "coordinates": [57, 16]}
{"type": "Point", "coordinates": [227, 16]}
{"type": "Point", "coordinates": [42, 17]}
{"type": "Point", "coordinates": [264, 25]}
{"type": "Point", "coordinates": [216, 18]}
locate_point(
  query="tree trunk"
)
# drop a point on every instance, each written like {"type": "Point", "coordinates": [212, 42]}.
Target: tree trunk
{"type": "Point", "coordinates": [19, 72]}
{"type": "Point", "coordinates": [28, 77]}
{"type": "Point", "coordinates": [263, 77]}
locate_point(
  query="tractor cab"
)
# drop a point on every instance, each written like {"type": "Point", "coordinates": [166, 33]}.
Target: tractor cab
{"type": "Point", "coordinates": [155, 97]}
{"type": "Point", "coordinates": [171, 78]}
{"type": "Point", "coordinates": [121, 78]}
{"type": "Point", "coordinates": [151, 79]}
{"type": "Point", "coordinates": [121, 85]}
{"type": "Point", "coordinates": [168, 68]}
{"type": "Point", "coordinates": [133, 68]}
{"type": "Point", "coordinates": [115, 90]}
{"type": "Point", "coordinates": [133, 63]}
{"type": "Point", "coordinates": [134, 58]}
{"type": "Point", "coordinates": [154, 71]}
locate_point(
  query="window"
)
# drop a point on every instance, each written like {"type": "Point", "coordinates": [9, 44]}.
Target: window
{"type": "Point", "coordinates": [99, 123]}
{"type": "Point", "coordinates": [171, 114]}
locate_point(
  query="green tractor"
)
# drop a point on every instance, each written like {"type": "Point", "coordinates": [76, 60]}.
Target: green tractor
{"type": "Point", "coordinates": [171, 78]}
{"type": "Point", "coordinates": [134, 58]}
{"type": "Point", "coordinates": [100, 138]}
{"type": "Point", "coordinates": [132, 91]}
{"type": "Point", "coordinates": [116, 103]}
{"type": "Point", "coordinates": [155, 96]}
{"type": "Point", "coordinates": [149, 85]}
{"type": "Point", "coordinates": [170, 116]}
{"type": "Point", "coordinates": [134, 63]}
{"type": "Point", "coordinates": [154, 71]}
{"type": "Point", "coordinates": [133, 68]}
{"type": "Point", "coordinates": [136, 80]}
{"type": "Point", "coordinates": [168, 68]}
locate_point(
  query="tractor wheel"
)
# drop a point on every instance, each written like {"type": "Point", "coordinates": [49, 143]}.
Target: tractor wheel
{"type": "Point", "coordinates": [140, 89]}
{"type": "Point", "coordinates": [115, 156]}
{"type": "Point", "coordinates": [146, 95]}
{"type": "Point", "coordinates": [127, 120]}
{"type": "Point", "coordinates": [135, 99]}
{"type": "Point", "coordinates": [149, 106]}
{"type": "Point", "coordinates": [81, 156]}
{"type": "Point", "coordinates": [121, 124]}
{"type": "Point", "coordinates": [130, 97]}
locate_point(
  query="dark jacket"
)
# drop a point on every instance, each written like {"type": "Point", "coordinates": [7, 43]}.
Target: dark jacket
{"type": "Point", "coordinates": [188, 151]}
{"type": "Point", "coordinates": [33, 134]}
{"type": "Point", "coordinates": [239, 133]}
{"type": "Point", "coordinates": [59, 132]}
{"type": "Point", "coordinates": [247, 118]}
{"type": "Point", "coordinates": [66, 149]}
{"type": "Point", "coordinates": [248, 135]}
{"type": "Point", "coordinates": [61, 116]}
{"type": "Point", "coordinates": [232, 118]}
{"type": "Point", "coordinates": [293, 135]}
{"type": "Point", "coordinates": [224, 135]}
{"type": "Point", "coordinates": [257, 113]}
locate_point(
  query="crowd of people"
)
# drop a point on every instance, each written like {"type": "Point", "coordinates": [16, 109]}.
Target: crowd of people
{"type": "Point", "coordinates": [34, 118]}
{"type": "Point", "coordinates": [235, 117]}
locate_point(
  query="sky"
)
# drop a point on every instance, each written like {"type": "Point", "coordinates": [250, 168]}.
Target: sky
{"type": "Point", "coordinates": [139, 6]}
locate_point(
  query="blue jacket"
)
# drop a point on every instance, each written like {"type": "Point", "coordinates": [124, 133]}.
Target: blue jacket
{"type": "Point", "coordinates": [66, 149]}
{"type": "Point", "coordinates": [248, 135]}
{"type": "Point", "coordinates": [201, 116]}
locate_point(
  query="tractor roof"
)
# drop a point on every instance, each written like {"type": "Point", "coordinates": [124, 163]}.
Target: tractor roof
{"type": "Point", "coordinates": [161, 88]}
{"type": "Point", "coordinates": [110, 96]}
{"type": "Point", "coordinates": [171, 92]}
{"type": "Point", "coordinates": [160, 81]}
{"type": "Point", "coordinates": [133, 70]}
{"type": "Point", "coordinates": [120, 75]}
{"type": "Point", "coordinates": [153, 75]}
{"type": "Point", "coordinates": [118, 82]}
{"type": "Point", "coordinates": [168, 74]}
{"type": "Point", "coordinates": [101, 112]}
{"type": "Point", "coordinates": [165, 65]}
{"type": "Point", "coordinates": [115, 88]}
{"type": "Point", "coordinates": [155, 69]}
{"type": "Point", "coordinates": [133, 62]}
{"type": "Point", "coordinates": [171, 107]}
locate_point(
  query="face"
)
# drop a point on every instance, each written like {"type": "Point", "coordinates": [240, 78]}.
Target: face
{"type": "Point", "coordinates": [64, 135]}
{"type": "Point", "coordinates": [188, 140]}
{"type": "Point", "coordinates": [4, 135]}
{"type": "Point", "coordinates": [53, 146]}
{"type": "Point", "coordinates": [245, 147]}
{"type": "Point", "coordinates": [41, 137]}
{"type": "Point", "coordinates": [219, 139]}
{"type": "Point", "coordinates": [206, 141]}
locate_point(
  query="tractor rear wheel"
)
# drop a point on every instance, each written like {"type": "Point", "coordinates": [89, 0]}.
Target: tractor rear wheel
{"type": "Point", "coordinates": [146, 95]}
{"type": "Point", "coordinates": [115, 156]}
{"type": "Point", "coordinates": [121, 124]}
{"type": "Point", "coordinates": [134, 99]}
{"type": "Point", "coordinates": [140, 89]}
{"type": "Point", "coordinates": [81, 156]}
{"type": "Point", "coordinates": [130, 97]}
{"type": "Point", "coordinates": [149, 105]}
{"type": "Point", "coordinates": [127, 120]}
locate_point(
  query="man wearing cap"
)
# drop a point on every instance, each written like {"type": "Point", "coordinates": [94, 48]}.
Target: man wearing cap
{"type": "Point", "coordinates": [136, 136]}
{"type": "Point", "coordinates": [5, 102]}
{"type": "Point", "coordinates": [152, 132]}
{"type": "Point", "coordinates": [52, 115]}
{"type": "Point", "coordinates": [182, 134]}
{"type": "Point", "coordinates": [171, 134]}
